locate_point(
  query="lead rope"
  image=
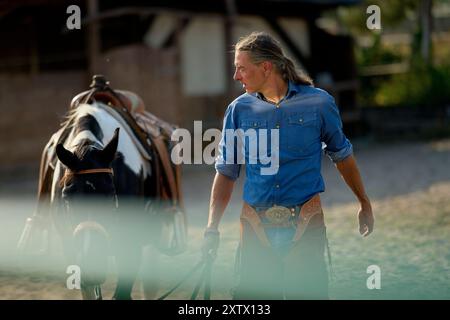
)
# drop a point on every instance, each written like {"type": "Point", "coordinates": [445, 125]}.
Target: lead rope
{"type": "Point", "coordinates": [208, 269]}
{"type": "Point", "coordinates": [200, 282]}
{"type": "Point", "coordinates": [330, 265]}
{"type": "Point", "coordinates": [205, 278]}
{"type": "Point", "coordinates": [187, 276]}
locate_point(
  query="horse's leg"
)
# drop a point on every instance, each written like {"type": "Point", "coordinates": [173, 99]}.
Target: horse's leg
{"type": "Point", "coordinates": [150, 272]}
{"type": "Point", "coordinates": [91, 292]}
{"type": "Point", "coordinates": [98, 292]}
{"type": "Point", "coordinates": [127, 262]}
{"type": "Point", "coordinates": [91, 249]}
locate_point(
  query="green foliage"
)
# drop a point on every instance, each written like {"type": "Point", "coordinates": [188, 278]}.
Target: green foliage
{"type": "Point", "coordinates": [425, 84]}
{"type": "Point", "coordinates": [421, 86]}
{"type": "Point", "coordinates": [377, 54]}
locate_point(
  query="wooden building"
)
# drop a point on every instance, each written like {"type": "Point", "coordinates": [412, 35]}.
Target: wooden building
{"type": "Point", "coordinates": [176, 55]}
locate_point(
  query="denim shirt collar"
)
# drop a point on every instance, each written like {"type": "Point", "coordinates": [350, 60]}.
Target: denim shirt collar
{"type": "Point", "coordinates": [292, 90]}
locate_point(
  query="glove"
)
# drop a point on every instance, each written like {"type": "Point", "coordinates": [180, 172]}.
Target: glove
{"type": "Point", "coordinates": [211, 240]}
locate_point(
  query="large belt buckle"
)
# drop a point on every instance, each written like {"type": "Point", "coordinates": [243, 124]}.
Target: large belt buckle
{"type": "Point", "coordinates": [278, 214]}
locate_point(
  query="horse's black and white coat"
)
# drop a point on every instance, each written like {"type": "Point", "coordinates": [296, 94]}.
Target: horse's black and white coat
{"type": "Point", "coordinates": [117, 220]}
{"type": "Point", "coordinates": [95, 125]}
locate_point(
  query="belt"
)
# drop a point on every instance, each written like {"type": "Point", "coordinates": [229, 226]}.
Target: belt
{"type": "Point", "coordinates": [278, 216]}
{"type": "Point", "coordinates": [311, 214]}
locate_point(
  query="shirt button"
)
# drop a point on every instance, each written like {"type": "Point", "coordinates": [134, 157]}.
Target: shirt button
{"type": "Point", "coordinates": [300, 120]}
{"type": "Point", "coordinates": [278, 106]}
{"type": "Point", "coordinates": [277, 186]}
{"type": "Point", "coordinates": [277, 126]}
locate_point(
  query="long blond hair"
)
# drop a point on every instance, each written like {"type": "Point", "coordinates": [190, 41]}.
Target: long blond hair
{"type": "Point", "coordinates": [262, 47]}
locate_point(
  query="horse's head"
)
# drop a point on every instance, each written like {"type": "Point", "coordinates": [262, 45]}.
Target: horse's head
{"type": "Point", "coordinates": [88, 191]}
{"type": "Point", "coordinates": [89, 173]}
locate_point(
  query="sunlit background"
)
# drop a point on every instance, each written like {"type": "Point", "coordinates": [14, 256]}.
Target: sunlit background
{"type": "Point", "coordinates": [392, 87]}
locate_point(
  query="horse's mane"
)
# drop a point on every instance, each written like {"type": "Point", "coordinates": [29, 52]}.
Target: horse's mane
{"type": "Point", "coordinates": [81, 149]}
{"type": "Point", "coordinates": [69, 118]}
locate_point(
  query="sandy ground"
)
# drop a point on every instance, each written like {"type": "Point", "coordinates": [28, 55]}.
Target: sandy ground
{"type": "Point", "coordinates": [408, 183]}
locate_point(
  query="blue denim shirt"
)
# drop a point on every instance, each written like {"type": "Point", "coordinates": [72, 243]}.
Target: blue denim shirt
{"type": "Point", "coordinates": [305, 117]}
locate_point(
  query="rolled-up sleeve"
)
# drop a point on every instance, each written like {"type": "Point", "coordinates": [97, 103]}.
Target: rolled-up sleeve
{"type": "Point", "coordinates": [338, 147]}
{"type": "Point", "coordinates": [227, 167]}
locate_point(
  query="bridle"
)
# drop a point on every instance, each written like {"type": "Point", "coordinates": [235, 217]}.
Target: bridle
{"type": "Point", "coordinates": [90, 171]}
{"type": "Point", "coordinates": [93, 171]}
{"type": "Point", "coordinates": [69, 173]}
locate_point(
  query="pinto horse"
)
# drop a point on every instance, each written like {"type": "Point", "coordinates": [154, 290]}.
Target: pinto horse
{"type": "Point", "coordinates": [101, 193]}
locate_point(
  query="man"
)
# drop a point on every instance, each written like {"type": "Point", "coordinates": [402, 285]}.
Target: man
{"type": "Point", "coordinates": [283, 238]}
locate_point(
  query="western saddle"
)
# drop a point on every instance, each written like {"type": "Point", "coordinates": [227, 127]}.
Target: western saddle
{"type": "Point", "coordinates": [155, 140]}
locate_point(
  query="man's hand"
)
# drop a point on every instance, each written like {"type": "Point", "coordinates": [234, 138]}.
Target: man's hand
{"type": "Point", "coordinates": [366, 221]}
{"type": "Point", "coordinates": [211, 240]}
{"type": "Point", "coordinates": [350, 173]}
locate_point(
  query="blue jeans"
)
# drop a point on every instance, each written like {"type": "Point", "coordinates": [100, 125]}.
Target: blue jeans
{"type": "Point", "coordinates": [280, 237]}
